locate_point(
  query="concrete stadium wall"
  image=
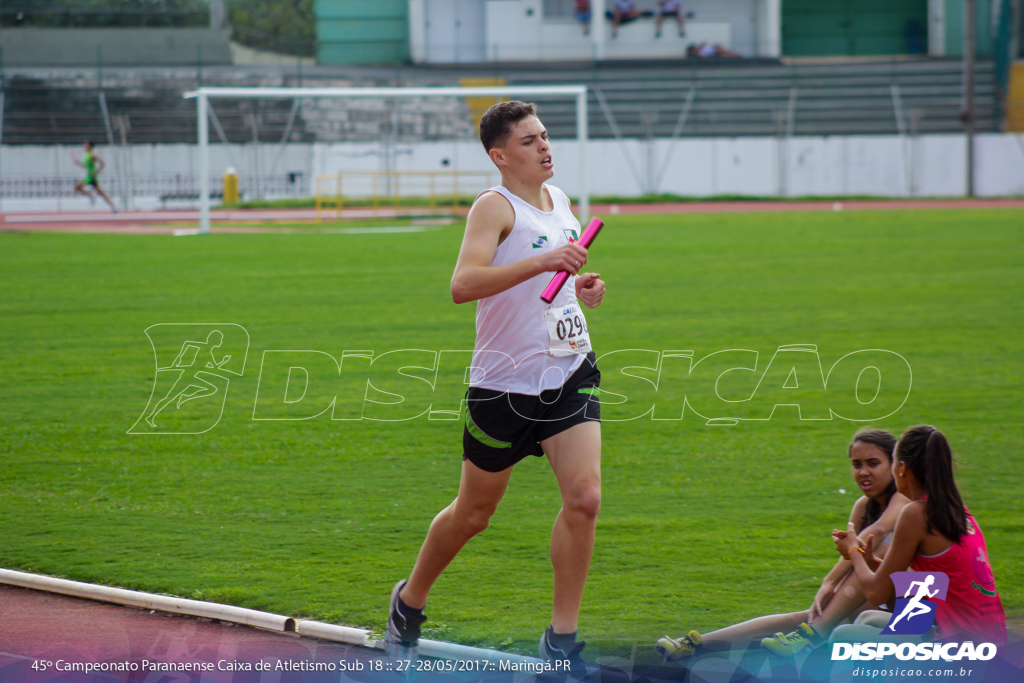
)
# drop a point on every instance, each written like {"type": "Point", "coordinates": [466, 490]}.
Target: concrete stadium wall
{"type": "Point", "coordinates": [890, 166]}
{"type": "Point", "coordinates": [110, 47]}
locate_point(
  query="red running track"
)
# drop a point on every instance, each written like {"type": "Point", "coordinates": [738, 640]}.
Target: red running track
{"type": "Point", "coordinates": [46, 637]}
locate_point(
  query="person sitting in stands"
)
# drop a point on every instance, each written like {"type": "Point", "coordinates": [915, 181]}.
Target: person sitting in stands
{"type": "Point", "coordinates": [582, 14]}
{"type": "Point", "coordinates": [670, 8]}
{"type": "Point", "coordinates": [625, 12]}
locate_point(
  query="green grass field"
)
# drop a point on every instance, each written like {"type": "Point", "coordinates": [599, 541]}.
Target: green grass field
{"type": "Point", "coordinates": [701, 525]}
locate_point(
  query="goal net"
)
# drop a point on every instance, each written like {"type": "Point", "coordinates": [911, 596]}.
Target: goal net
{"type": "Point", "coordinates": [572, 179]}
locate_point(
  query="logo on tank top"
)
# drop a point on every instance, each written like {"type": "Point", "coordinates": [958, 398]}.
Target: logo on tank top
{"type": "Point", "coordinates": [914, 613]}
{"type": "Point", "coordinates": [984, 581]}
{"type": "Point", "coordinates": [539, 242]}
{"type": "Point", "coordinates": [571, 235]}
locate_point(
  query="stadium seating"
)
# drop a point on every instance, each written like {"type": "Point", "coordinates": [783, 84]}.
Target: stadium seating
{"type": "Point", "coordinates": [65, 107]}
{"type": "Point", "coordinates": [730, 98]}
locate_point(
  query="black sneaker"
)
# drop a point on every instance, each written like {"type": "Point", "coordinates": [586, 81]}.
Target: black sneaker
{"type": "Point", "coordinates": [403, 635]}
{"type": "Point", "coordinates": [566, 662]}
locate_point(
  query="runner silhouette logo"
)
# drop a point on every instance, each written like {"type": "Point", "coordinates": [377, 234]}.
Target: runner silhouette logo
{"type": "Point", "coordinates": [194, 365]}
{"type": "Point", "coordinates": [916, 593]}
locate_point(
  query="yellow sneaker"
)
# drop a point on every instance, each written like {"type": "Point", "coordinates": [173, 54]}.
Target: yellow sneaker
{"type": "Point", "coordinates": [789, 644]}
{"type": "Point", "coordinates": [677, 648]}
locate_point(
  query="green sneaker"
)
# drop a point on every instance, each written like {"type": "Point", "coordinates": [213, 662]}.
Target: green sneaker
{"type": "Point", "coordinates": [789, 644]}
{"type": "Point", "coordinates": [677, 648]}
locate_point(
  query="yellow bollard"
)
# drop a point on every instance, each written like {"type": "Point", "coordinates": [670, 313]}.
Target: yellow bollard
{"type": "Point", "coordinates": [230, 186]}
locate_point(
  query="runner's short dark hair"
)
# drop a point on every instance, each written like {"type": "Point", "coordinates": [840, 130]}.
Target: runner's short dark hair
{"type": "Point", "coordinates": [496, 123]}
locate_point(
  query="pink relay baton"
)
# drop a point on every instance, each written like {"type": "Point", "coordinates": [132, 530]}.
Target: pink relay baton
{"type": "Point", "coordinates": [586, 239]}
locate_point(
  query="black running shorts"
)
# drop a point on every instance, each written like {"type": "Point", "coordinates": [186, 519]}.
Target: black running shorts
{"type": "Point", "coordinates": [502, 428]}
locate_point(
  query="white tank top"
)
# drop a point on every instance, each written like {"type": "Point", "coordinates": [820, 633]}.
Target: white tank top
{"type": "Point", "coordinates": [512, 323]}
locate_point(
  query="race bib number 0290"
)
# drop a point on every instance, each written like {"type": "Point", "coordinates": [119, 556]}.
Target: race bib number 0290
{"type": "Point", "coordinates": [567, 330]}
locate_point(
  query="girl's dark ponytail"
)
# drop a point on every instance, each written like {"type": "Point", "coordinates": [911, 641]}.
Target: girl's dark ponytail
{"type": "Point", "coordinates": [927, 454]}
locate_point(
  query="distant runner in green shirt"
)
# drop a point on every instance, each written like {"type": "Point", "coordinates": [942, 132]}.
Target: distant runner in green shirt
{"type": "Point", "coordinates": [93, 164]}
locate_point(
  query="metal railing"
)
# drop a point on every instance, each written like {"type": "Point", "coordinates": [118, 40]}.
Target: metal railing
{"type": "Point", "coordinates": [169, 186]}
{"type": "Point", "coordinates": [435, 190]}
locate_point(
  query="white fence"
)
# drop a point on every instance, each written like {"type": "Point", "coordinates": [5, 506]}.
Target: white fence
{"type": "Point", "coordinates": [889, 166]}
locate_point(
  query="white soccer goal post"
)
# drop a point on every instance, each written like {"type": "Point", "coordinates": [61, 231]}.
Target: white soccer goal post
{"type": "Point", "coordinates": [204, 95]}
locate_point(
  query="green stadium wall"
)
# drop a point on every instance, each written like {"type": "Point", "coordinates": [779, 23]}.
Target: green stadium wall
{"type": "Point", "coordinates": [954, 24]}
{"type": "Point", "coordinates": [854, 28]}
{"type": "Point", "coordinates": [362, 31]}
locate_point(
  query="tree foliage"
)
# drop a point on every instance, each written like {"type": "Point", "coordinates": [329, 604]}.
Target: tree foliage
{"type": "Point", "coordinates": [287, 26]}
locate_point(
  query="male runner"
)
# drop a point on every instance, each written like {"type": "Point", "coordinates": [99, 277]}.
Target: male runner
{"type": "Point", "coordinates": [93, 164]}
{"type": "Point", "coordinates": [534, 381]}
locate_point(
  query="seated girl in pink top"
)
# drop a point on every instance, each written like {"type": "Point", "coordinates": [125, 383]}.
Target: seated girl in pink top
{"type": "Point", "coordinates": [840, 597]}
{"type": "Point", "coordinates": [935, 533]}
